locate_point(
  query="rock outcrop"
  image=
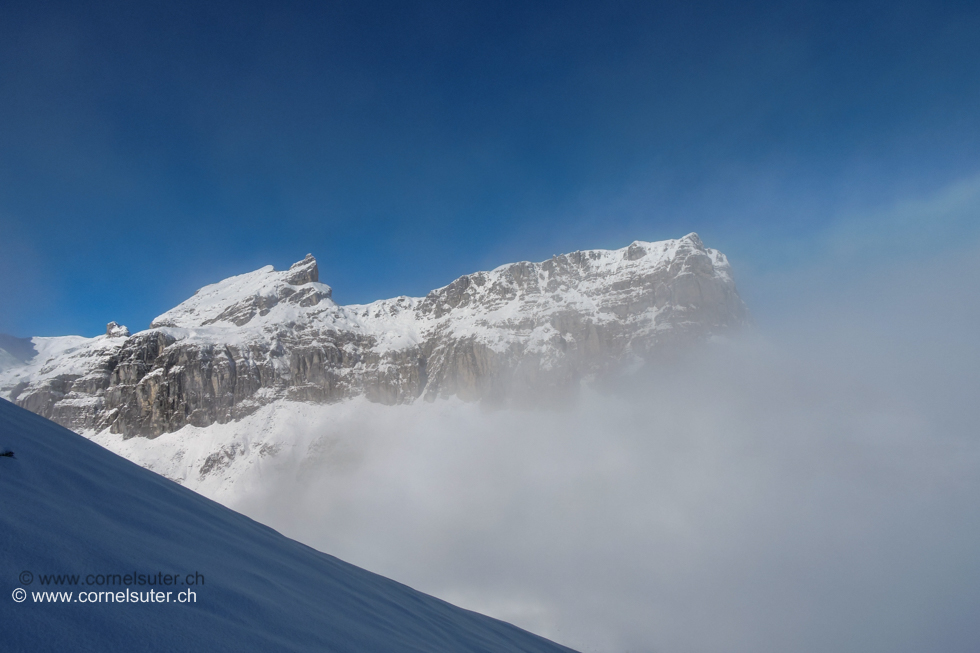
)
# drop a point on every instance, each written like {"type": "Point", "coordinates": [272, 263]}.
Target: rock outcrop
{"type": "Point", "coordinates": [114, 330]}
{"type": "Point", "coordinates": [520, 333]}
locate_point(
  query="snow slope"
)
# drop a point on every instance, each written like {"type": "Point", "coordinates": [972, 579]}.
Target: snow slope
{"type": "Point", "coordinates": [71, 507]}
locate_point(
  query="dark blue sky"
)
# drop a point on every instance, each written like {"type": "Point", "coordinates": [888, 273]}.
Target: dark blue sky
{"type": "Point", "coordinates": [149, 148]}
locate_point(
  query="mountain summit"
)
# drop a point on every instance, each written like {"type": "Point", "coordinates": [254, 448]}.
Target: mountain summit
{"type": "Point", "coordinates": [520, 333]}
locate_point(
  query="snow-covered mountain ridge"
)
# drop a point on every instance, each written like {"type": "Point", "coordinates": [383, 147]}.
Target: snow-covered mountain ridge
{"type": "Point", "coordinates": [521, 332]}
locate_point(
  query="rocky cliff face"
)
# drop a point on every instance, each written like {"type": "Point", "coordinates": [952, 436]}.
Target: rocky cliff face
{"type": "Point", "coordinates": [522, 332]}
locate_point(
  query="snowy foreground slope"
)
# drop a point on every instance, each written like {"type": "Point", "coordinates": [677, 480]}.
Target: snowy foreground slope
{"type": "Point", "coordinates": [71, 507]}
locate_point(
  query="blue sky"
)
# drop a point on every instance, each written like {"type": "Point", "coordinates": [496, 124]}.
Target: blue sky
{"type": "Point", "coordinates": [148, 150]}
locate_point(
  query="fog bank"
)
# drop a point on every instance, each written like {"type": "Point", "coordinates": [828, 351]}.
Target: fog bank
{"type": "Point", "coordinates": [812, 486]}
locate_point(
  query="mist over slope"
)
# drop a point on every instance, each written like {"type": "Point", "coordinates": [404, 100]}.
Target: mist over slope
{"type": "Point", "coordinates": [14, 352]}
{"type": "Point", "coordinates": [811, 486]}
{"type": "Point", "coordinates": [71, 507]}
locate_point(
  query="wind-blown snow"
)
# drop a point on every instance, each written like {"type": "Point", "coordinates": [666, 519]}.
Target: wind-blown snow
{"type": "Point", "coordinates": [59, 356]}
{"type": "Point", "coordinates": [7, 360]}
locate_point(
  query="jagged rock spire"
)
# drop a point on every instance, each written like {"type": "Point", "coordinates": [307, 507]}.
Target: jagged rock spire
{"type": "Point", "coordinates": [303, 271]}
{"type": "Point", "coordinates": [114, 330]}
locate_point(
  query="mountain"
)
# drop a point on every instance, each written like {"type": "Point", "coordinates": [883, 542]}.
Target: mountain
{"type": "Point", "coordinates": [74, 508]}
{"type": "Point", "coordinates": [522, 333]}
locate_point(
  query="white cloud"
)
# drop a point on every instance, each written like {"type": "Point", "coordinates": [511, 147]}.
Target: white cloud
{"type": "Point", "coordinates": [810, 488]}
